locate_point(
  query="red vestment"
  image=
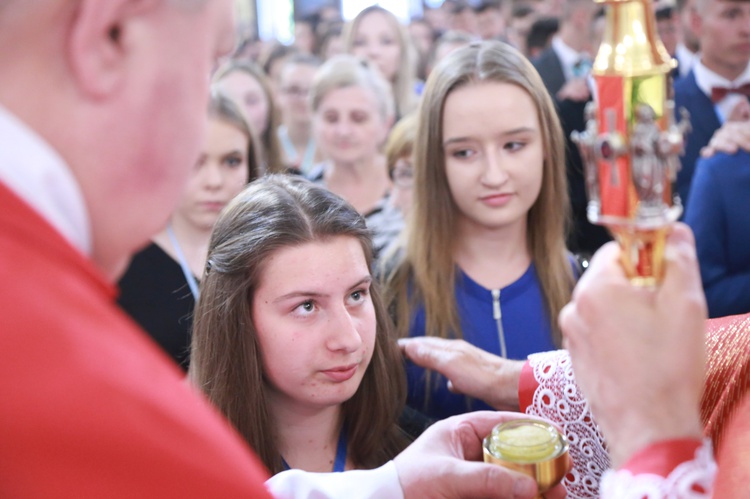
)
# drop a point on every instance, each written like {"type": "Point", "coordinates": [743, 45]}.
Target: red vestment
{"type": "Point", "coordinates": [89, 407]}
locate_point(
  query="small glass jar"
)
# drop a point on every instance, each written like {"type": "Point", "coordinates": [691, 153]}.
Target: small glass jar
{"type": "Point", "coordinates": [530, 446]}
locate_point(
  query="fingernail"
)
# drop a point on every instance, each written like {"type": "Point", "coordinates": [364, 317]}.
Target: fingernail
{"type": "Point", "coordinates": [524, 488]}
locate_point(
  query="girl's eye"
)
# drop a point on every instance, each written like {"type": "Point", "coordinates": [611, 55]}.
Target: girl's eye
{"type": "Point", "coordinates": [233, 161]}
{"type": "Point", "coordinates": [463, 153]}
{"type": "Point", "coordinates": [331, 118]}
{"type": "Point", "coordinates": [514, 146]}
{"type": "Point", "coordinates": [305, 308]}
{"type": "Point", "coordinates": [359, 295]}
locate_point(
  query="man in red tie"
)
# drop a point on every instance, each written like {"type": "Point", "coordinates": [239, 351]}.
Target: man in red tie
{"type": "Point", "coordinates": [716, 89]}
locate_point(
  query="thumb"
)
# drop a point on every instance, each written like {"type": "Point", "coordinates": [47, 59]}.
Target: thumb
{"type": "Point", "coordinates": [476, 479]}
{"type": "Point", "coordinates": [681, 273]}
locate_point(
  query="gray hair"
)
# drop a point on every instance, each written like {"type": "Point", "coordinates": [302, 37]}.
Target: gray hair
{"type": "Point", "coordinates": [344, 70]}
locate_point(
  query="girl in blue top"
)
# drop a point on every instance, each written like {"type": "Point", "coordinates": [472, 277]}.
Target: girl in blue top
{"type": "Point", "coordinates": [484, 256]}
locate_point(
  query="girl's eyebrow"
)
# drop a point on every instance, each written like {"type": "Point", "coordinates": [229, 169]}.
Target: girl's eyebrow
{"type": "Point", "coordinates": [514, 131]}
{"type": "Point", "coordinates": [316, 294]}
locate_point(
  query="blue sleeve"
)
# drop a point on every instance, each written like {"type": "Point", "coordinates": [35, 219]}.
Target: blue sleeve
{"type": "Point", "coordinates": [709, 211]}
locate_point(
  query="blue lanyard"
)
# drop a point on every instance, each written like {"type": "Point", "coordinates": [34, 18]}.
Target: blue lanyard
{"type": "Point", "coordinates": [339, 464]}
{"type": "Point", "coordinates": [307, 161]}
{"type": "Point", "coordinates": [189, 277]}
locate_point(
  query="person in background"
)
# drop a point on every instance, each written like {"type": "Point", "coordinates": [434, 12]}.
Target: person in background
{"type": "Point", "coordinates": [272, 62]}
{"type": "Point", "coordinates": [484, 256]}
{"type": "Point", "coordinates": [715, 90]}
{"type": "Point", "coordinates": [540, 35]}
{"type": "Point", "coordinates": [447, 43]}
{"type": "Point", "coordinates": [688, 46]}
{"type": "Point", "coordinates": [97, 137]}
{"type": "Point", "coordinates": [290, 264]}
{"type": "Point", "coordinates": [522, 17]}
{"type": "Point", "coordinates": [295, 131]}
{"type": "Point", "coordinates": [668, 29]}
{"type": "Point", "coordinates": [376, 35]}
{"type": "Point", "coordinates": [305, 39]}
{"type": "Point", "coordinates": [160, 287]}
{"type": "Point", "coordinates": [246, 84]}
{"type": "Point", "coordinates": [490, 20]}
{"type": "Point", "coordinates": [423, 37]}
{"type": "Point", "coordinates": [399, 157]}
{"type": "Point", "coordinates": [721, 226]}
{"type": "Point", "coordinates": [565, 67]}
{"type": "Point", "coordinates": [331, 40]}
{"type": "Point", "coordinates": [352, 110]}
{"type": "Point", "coordinates": [462, 17]}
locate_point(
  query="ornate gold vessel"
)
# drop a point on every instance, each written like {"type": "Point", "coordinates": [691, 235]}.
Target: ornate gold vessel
{"type": "Point", "coordinates": [631, 144]}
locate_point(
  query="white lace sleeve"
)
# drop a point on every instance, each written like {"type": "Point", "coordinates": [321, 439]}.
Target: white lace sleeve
{"type": "Point", "coordinates": [559, 399]}
{"type": "Point", "coordinates": [692, 479]}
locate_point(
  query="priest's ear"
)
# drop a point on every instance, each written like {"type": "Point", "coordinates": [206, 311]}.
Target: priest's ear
{"type": "Point", "coordinates": [104, 38]}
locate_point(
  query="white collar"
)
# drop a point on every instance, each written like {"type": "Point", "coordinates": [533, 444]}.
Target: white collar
{"type": "Point", "coordinates": [707, 79]}
{"type": "Point", "coordinates": [686, 58]}
{"type": "Point", "coordinates": [568, 56]}
{"type": "Point", "coordinates": [36, 173]}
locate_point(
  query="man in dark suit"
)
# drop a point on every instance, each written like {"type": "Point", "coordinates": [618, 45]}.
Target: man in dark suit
{"type": "Point", "coordinates": [564, 68]}
{"type": "Point", "coordinates": [716, 89]}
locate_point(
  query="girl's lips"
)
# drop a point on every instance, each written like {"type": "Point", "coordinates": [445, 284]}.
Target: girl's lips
{"type": "Point", "coordinates": [213, 205]}
{"type": "Point", "coordinates": [341, 374]}
{"type": "Point", "coordinates": [495, 200]}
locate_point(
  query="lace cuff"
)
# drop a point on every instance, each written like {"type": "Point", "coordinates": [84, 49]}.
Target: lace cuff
{"type": "Point", "coordinates": [692, 479]}
{"type": "Point", "coordinates": [558, 399]}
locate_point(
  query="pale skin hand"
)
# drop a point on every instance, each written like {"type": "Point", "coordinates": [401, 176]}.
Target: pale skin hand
{"type": "Point", "coordinates": [442, 463]}
{"type": "Point", "coordinates": [469, 370]}
{"type": "Point", "coordinates": [639, 354]}
{"type": "Point", "coordinates": [731, 137]}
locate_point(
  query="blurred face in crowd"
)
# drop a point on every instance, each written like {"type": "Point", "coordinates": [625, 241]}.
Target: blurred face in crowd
{"type": "Point", "coordinates": [377, 41]}
{"type": "Point", "coordinates": [724, 30]}
{"type": "Point", "coordinates": [348, 125]}
{"type": "Point", "coordinates": [403, 180]}
{"type": "Point", "coordinates": [304, 38]}
{"type": "Point", "coordinates": [668, 29]}
{"type": "Point", "coordinates": [493, 154]}
{"type": "Point", "coordinates": [422, 36]}
{"type": "Point", "coordinates": [490, 24]}
{"type": "Point", "coordinates": [294, 89]}
{"type": "Point", "coordinates": [315, 297]}
{"type": "Point", "coordinates": [220, 173]}
{"type": "Point", "coordinates": [246, 91]}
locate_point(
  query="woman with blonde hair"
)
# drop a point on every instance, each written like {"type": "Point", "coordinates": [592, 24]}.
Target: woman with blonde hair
{"type": "Point", "coordinates": [352, 110]}
{"type": "Point", "coordinates": [485, 258]}
{"type": "Point", "coordinates": [246, 84]}
{"type": "Point", "coordinates": [376, 35]}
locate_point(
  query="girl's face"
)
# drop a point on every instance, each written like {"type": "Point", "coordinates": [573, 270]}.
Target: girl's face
{"type": "Point", "coordinates": [296, 80]}
{"type": "Point", "coordinates": [348, 125]}
{"type": "Point", "coordinates": [219, 175]}
{"type": "Point", "coordinates": [315, 322]}
{"type": "Point", "coordinates": [248, 93]}
{"type": "Point", "coordinates": [493, 153]}
{"type": "Point", "coordinates": [376, 40]}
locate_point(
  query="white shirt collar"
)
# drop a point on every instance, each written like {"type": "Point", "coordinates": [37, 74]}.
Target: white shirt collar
{"type": "Point", "coordinates": [568, 56]}
{"type": "Point", "coordinates": [36, 173]}
{"type": "Point", "coordinates": [707, 79]}
{"type": "Point", "coordinates": [686, 58]}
